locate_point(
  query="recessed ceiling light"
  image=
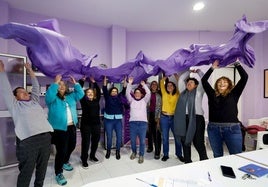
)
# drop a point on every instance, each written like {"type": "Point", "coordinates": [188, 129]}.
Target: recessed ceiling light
{"type": "Point", "coordinates": [198, 6]}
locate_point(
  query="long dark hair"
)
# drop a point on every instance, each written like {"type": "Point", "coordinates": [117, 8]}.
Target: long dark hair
{"type": "Point", "coordinates": [174, 85]}
{"type": "Point", "coordinates": [154, 82]}
{"type": "Point", "coordinates": [110, 91]}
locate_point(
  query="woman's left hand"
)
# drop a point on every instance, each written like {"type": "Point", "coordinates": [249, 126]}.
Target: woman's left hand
{"type": "Point", "coordinates": [72, 80]}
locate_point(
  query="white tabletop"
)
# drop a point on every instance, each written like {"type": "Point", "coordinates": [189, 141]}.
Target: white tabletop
{"type": "Point", "coordinates": [258, 156]}
{"type": "Point", "coordinates": [194, 174]}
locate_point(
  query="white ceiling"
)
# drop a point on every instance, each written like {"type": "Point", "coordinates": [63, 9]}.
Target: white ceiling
{"type": "Point", "coordinates": [149, 15]}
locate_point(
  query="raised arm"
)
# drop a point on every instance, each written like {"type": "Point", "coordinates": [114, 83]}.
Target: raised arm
{"type": "Point", "coordinates": [239, 87]}
{"type": "Point", "coordinates": [123, 92]}
{"type": "Point", "coordinates": [207, 87]}
{"type": "Point", "coordinates": [162, 85]}
{"type": "Point", "coordinates": [129, 88]}
{"type": "Point", "coordinates": [78, 90]}
{"type": "Point", "coordinates": [200, 74]}
{"type": "Point", "coordinates": [104, 88]}
{"type": "Point", "coordinates": [52, 90]}
{"type": "Point", "coordinates": [96, 86]}
{"type": "Point", "coordinates": [82, 81]}
{"type": "Point", "coordinates": [147, 90]}
{"type": "Point", "coordinates": [35, 94]}
{"type": "Point", "coordinates": [182, 80]}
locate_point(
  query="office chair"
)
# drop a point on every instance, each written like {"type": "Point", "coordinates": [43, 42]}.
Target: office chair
{"type": "Point", "coordinates": [262, 140]}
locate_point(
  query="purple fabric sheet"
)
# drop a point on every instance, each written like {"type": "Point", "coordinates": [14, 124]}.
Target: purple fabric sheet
{"type": "Point", "coordinates": [53, 54]}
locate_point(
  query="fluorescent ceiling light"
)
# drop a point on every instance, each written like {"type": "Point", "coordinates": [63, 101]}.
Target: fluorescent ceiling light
{"type": "Point", "coordinates": [198, 6]}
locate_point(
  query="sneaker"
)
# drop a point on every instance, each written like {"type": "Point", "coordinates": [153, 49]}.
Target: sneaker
{"type": "Point", "coordinates": [149, 150]}
{"type": "Point", "coordinates": [165, 158]}
{"type": "Point", "coordinates": [84, 165]}
{"type": "Point", "coordinates": [93, 159]}
{"type": "Point", "coordinates": [181, 158]}
{"type": "Point", "coordinates": [156, 157]}
{"type": "Point", "coordinates": [189, 161]}
{"type": "Point", "coordinates": [61, 179]}
{"type": "Point", "coordinates": [132, 156]}
{"type": "Point", "coordinates": [67, 167]}
{"type": "Point", "coordinates": [141, 159]}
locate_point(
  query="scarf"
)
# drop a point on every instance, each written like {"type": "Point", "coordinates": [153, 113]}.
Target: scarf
{"type": "Point", "coordinates": [152, 102]}
{"type": "Point", "coordinates": [180, 129]}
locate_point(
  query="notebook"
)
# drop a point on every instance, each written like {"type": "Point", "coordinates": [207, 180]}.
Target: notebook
{"type": "Point", "coordinates": [254, 169]}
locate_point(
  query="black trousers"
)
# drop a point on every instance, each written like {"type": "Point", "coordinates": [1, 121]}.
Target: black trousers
{"type": "Point", "coordinates": [198, 140]}
{"type": "Point", "coordinates": [153, 134]}
{"type": "Point", "coordinates": [89, 134]}
{"type": "Point", "coordinates": [33, 153]}
{"type": "Point", "coordinates": [65, 142]}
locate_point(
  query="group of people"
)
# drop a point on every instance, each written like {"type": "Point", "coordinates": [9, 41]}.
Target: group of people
{"type": "Point", "coordinates": [153, 113]}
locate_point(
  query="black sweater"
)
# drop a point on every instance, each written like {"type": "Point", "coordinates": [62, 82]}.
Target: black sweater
{"type": "Point", "coordinates": [90, 109]}
{"type": "Point", "coordinates": [224, 109]}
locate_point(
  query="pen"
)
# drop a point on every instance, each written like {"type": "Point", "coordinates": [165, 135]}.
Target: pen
{"type": "Point", "coordinates": [146, 182]}
{"type": "Point", "coordinates": [209, 177]}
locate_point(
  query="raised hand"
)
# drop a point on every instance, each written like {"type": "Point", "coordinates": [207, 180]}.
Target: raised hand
{"type": "Point", "coordinates": [58, 78]}
{"type": "Point", "coordinates": [72, 80]}
{"type": "Point", "coordinates": [194, 70]}
{"type": "Point", "coordinates": [2, 67]}
{"type": "Point", "coordinates": [130, 80]}
{"type": "Point", "coordinates": [176, 75]}
{"type": "Point", "coordinates": [84, 78]}
{"type": "Point", "coordinates": [125, 82]}
{"type": "Point", "coordinates": [29, 69]}
{"type": "Point", "coordinates": [105, 81]}
{"type": "Point", "coordinates": [92, 79]}
{"type": "Point", "coordinates": [215, 64]}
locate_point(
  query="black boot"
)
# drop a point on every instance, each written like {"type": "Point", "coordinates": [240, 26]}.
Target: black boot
{"type": "Point", "coordinates": [107, 156]}
{"type": "Point", "coordinates": [117, 155]}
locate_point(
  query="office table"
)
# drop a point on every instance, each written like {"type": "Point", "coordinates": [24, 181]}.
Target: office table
{"type": "Point", "coordinates": [195, 174]}
{"type": "Point", "coordinates": [258, 156]}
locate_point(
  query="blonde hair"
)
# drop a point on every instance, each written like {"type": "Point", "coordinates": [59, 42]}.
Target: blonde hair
{"type": "Point", "coordinates": [229, 88]}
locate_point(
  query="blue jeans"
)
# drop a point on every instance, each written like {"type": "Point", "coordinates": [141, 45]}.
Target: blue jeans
{"type": "Point", "coordinates": [167, 123]}
{"type": "Point", "coordinates": [230, 133]}
{"type": "Point", "coordinates": [138, 129]}
{"type": "Point", "coordinates": [116, 125]}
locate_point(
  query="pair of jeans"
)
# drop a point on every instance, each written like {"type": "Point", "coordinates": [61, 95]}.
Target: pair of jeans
{"type": "Point", "coordinates": [116, 125]}
{"type": "Point", "coordinates": [138, 129]}
{"type": "Point", "coordinates": [228, 133]}
{"type": "Point", "coordinates": [167, 123]}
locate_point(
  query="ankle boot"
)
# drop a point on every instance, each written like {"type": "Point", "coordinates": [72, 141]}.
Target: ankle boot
{"type": "Point", "coordinates": [117, 155]}
{"type": "Point", "coordinates": [107, 156]}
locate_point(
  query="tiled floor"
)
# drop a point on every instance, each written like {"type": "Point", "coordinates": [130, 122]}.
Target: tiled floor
{"type": "Point", "coordinates": [106, 168]}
